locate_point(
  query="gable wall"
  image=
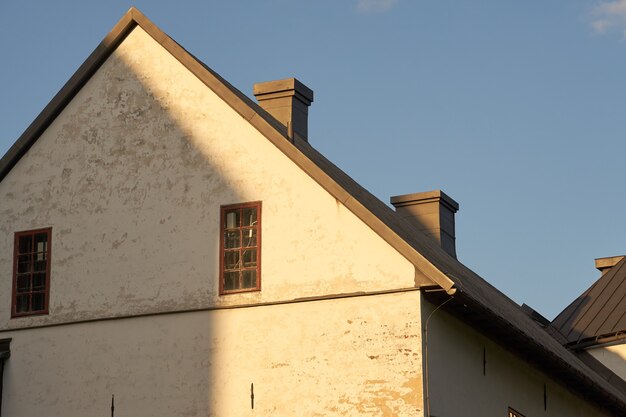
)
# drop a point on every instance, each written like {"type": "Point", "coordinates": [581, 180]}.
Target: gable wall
{"type": "Point", "coordinates": [458, 387]}
{"type": "Point", "coordinates": [131, 177]}
{"type": "Point", "coordinates": [612, 356]}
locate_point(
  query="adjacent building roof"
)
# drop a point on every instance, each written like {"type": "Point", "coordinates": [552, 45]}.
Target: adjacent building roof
{"type": "Point", "coordinates": [474, 299]}
{"type": "Point", "coordinates": [599, 312]}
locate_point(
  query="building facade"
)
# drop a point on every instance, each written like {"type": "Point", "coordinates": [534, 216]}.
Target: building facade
{"type": "Point", "coordinates": [167, 241]}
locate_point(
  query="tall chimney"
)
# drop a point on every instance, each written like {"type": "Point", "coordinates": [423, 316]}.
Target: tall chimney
{"type": "Point", "coordinates": [431, 212]}
{"type": "Point", "coordinates": [288, 101]}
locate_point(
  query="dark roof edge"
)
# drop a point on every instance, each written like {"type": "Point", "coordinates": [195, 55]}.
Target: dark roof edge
{"type": "Point", "coordinates": [67, 93]}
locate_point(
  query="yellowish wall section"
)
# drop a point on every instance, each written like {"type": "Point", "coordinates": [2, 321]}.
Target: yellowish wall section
{"type": "Point", "coordinates": [458, 388]}
{"type": "Point", "coordinates": [613, 357]}
{"type": "Point", "coordinates": [131, 177]}
{"type": "Point", "coordinates": [368, 350]}
{"type": "Point", "coordinates": [357, 356]}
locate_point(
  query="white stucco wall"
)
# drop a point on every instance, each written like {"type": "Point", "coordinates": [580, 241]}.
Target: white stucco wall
{"type": "Point", "coordinates": [358, 356]}
{"type": "Point", "coordinates": [458, 388]}
{"type": "Point", "coordinates": [612, 356]}
{"type": "Point", "coordinates": [131, 177]}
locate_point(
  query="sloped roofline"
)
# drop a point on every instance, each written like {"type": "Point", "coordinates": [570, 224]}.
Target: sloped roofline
{"type": "Point", "coordinates": [498, 314]}
{"type": "Point", "coordinates": [249, 110]}
{"type": "Point", "coordinates": [596, 316]}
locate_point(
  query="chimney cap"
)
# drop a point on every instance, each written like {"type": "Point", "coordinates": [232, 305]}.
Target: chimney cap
{"type": "Point", "coordinates": [288, 102]}
{"type": "Point", "coordinates": [425, 197]}
{"type": "Point", "coordinates": [604, 264]}
{"type": "Point", "coordinates": [431, 212]}
{"type": "Point", "coordinates": [285, 87]}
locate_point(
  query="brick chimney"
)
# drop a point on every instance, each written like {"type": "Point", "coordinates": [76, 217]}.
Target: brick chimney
{"type": "Point", "coordinates": [288, 101]}
{"type": "Point", "coordinates": [431, 212]}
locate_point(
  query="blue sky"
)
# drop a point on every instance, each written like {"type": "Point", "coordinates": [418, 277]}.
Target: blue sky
{"type": "Point", "coordinates": [515, 109]}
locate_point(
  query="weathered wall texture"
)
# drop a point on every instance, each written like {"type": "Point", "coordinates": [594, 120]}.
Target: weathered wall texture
{"type": "Point", "coordinates": [131, 177]}
{"type": "Point", "coordinates": [155, 366]}
{"type": "Point", "coordinates": [357, 356]}
{"type": "Point", "coordinates": [458, 388]}
{"type": "Point", "coordinates": [613, 357]}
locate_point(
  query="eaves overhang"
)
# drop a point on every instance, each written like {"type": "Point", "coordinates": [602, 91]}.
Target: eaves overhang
{"type": "Point", "coordinates": [545, 353]}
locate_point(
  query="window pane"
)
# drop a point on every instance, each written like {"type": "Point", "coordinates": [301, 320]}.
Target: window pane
{"type": "Point", "coordinates": [240, 249]}
{"type": "Point", "coordinates": [31, 272]}
{"type": "Point", "coordinates": [25, 244]}
{"type": "Point", "coordinates": [249, 279]}
{"type": "Point", "coordinates": [249, 258]}
{"type": "Point", "coordinates": [40, 265]}
{"type": "Point", "coordinates": [41, 242]}
{"type": "Point", "coordinates": [249, 237]}
{"type": "Point", "coordinates": [231, 280]}
{"type": "Point", "coordinates": [38, 301]}
{"type": "Point", "coordinates": [231, 260]}
{"type": "Point", "coordinates": [39, 281]}
{"type": "Point", "coordinates": [232, 239]}
{"type": "Point", "coordinates": [21, 303]}
{"type": "Point", "coordinates": [249, 216]}
{"type": "Point", "coordinates": [41, 256]}
{"type": "Point", "coordinates": [232, 219]}
{"type": "Point", "coordinates": [23, 263]}
{"type": "Point", "coordinates": [23, 283]}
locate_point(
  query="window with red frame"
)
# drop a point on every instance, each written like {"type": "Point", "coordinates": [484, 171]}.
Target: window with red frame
{"type": "Point", "coordinates": [31, 272]}
{"type": "Point", "coordinates": [240, 248]}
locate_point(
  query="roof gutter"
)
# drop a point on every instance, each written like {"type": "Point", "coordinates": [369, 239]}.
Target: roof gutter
{"type": "Point", "coordinates": [598, 341]}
